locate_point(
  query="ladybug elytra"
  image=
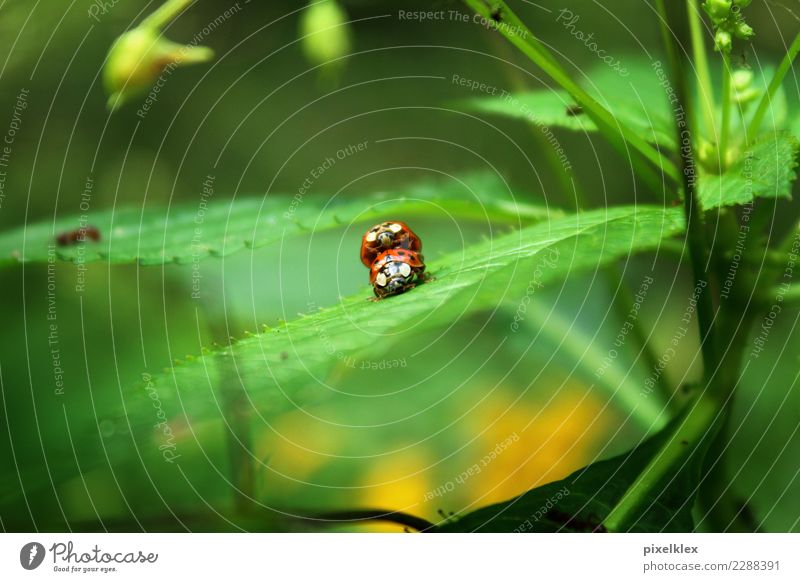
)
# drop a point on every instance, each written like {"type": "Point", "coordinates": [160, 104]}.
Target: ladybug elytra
{"type": "Point", "coordinates": [396, 271]}
{"type": "Point", "coordinates": [386, 236]}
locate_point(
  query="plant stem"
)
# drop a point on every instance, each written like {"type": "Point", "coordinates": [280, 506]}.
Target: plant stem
{"type": "Point", "coordinates": [688, 435]}
{"type": "Point", "coordinates": [726, 112]}
{"type": "Point", "coordinates": [701, 418]}
{"type": "Point", "coordinates": [705, 87]}
{"type": "Point", "coordinates": [698, 249]}
{"type": "Point", "coordinates": [777, 79]}
{"type": "Point", "coordinates": [724, 509]}
{"type": "Point", "coordinates": [531, 46]}
{"type": "Point", "coordinates": [166, 13]}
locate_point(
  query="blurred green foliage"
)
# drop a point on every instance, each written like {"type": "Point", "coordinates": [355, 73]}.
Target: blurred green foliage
{"type": "Point", "coordinates": [259, 120]}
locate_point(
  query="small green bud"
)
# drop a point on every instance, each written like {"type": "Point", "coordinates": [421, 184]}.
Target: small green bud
{"type": "Point", "coordinates": [705, 151]}
{"type": "Point", "coordinates": [138, 57]}
{"type": "Point", "coordinates": [723, 41]}
{"type": "Point", "coordinates": [743, 30]}
{"type": "Point", "coordinates": [718, 10]}
{"type": "Point", "coordinates": [742, 89]}
{"type": "Point", "coordinates": [325, 32]}
{"type": "Point", "coordinates": [741, 79]}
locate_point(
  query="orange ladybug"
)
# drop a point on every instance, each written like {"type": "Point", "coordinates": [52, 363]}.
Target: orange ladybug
{"type": "Point", "coordinates": [385, 236]}
{"type": "Point", "coordinates": [396, 271]}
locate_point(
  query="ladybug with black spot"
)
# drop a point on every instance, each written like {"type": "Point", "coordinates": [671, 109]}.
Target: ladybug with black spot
{"type": "Point", "coordinates": [385, 236]}
{"type": "Point", "coordinates": [396, 271]}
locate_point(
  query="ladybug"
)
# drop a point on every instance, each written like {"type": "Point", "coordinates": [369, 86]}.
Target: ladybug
{"type": "Point", "coordinates": [396, 271]}
{"type": "Point", "coordinates": [83, 234]}
{"type": "Point", "coordinates": [385, 236]}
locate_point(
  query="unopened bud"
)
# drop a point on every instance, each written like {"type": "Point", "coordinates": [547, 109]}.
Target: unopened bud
{"type": "Point", "coordinates": [743, 30]}
{"type": "Point", "coordinates": [325, 32]}
{"type": "Point", "coordinates": [138, 57]}
{"type": "Point", "coordinates": [722, 41]}
{"type": "Point", "coordinates": [718, 10]}
{"type": "Point", "coordinates": [742, 89]}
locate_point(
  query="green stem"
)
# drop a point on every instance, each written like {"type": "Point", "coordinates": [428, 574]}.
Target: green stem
{"type": "Point", "coordinates": [777, 79]}
{"type": "Point", "coordinates": [722, 508]}
{"type": "Point", "coordinates": [688, 435]}
{"type": "Point", "coordinates": [726, 112]}
{"type": "Point", "coordinates": [699, 421]}
{"type": "Point", "coordinates": [166, 13]}
{"type": "Point", "coordinates": [698, 249]}
{"type": "Point", "coordinates": [705, 87]}
{"type": "Point", "coordinates": [510, 26]}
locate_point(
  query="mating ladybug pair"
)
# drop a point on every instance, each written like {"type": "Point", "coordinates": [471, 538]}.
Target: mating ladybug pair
{"type": "Point", "coordinates": [391, 250]}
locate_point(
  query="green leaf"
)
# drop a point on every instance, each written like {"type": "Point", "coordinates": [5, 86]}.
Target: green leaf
{"type": "Point", "coordinates": [298, 362]}
{"type": "Point", "coordinates": [636, 100]}
{"type": "Point", "coordinates": [546, 109]}
{"type": "Point", "coordinates": [581, 501]}
{"type": "Point", "coordinates": [765, 170]}
{"type": "Point", "coordinates": [190, 232]}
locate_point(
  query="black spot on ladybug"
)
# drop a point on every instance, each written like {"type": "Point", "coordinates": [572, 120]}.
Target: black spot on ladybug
{"type": "Point", "coordinates": [83, 234]}
{"type": "Point", "coordinates": [574, 110]}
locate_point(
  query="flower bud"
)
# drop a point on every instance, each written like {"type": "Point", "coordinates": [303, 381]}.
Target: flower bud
{"type": "Point", "coordinates": [718, 10]}
{"type": "Point", "coordinates": [743, 30]}
{"type": "Point", "coordinates": [138, 57]}
{"type": "Point", "coordinates": [325, 32]}
{"type": "Point", "coordinates": [741, 79]}
{"type": "Point", "coordinates": [722, 41]}
{"type": "Point", "coordinates": [705, 151]}
{"type": "Point", "coordinates": [742, 89]}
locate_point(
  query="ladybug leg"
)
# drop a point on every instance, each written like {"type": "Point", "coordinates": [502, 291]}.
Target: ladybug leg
{"type": "Point", "coordinates": [426, 277]}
